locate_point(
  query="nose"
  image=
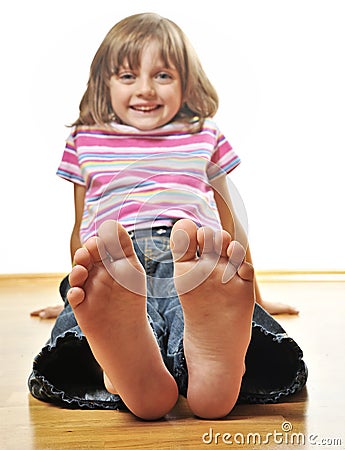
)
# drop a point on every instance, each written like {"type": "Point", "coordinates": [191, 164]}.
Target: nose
{"type": "Point", "coordinates": [145, 87]}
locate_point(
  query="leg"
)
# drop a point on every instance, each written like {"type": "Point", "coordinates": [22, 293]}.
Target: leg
{"type": "Point", "coordinates": [108, 297]}
{"type": "Point", "coordinates": [217, 296]}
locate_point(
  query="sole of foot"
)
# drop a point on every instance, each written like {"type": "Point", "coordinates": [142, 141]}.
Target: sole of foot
{"type": "Point", "coordinates": [216, 290]}
{"type": "Point", "coordinates": [108, 297]}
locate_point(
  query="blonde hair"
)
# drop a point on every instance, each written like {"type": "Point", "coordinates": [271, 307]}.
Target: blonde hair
{"type": "Point", "coordinates": [124, 43]}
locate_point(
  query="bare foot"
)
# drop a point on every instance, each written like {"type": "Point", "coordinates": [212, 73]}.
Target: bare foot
{"type": "Point", "coordinates": [108, 297]}
{"type": "Point", "coordinates": [216, 291]}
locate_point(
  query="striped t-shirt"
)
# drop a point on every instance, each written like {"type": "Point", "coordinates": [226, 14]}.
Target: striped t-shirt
{"type": "Point", "coordinates": [147, 178]}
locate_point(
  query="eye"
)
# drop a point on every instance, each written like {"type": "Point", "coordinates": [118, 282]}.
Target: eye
{"type": "Point", "coordinates": [164, 77]}
{"type": "Point", "coordinates": [126, 77]}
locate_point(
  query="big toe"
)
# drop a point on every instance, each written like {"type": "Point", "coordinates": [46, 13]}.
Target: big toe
{"type": "Point", "coordinates": [116, 240]}
{"type": "Point", "coordinates": [184, 240]}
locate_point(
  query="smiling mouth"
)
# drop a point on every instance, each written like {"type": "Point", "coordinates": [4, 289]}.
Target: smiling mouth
{"type": "Point", "coordinates": [145, 108]}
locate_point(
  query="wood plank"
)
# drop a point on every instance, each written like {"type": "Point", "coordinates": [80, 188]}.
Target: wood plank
{"type": "Point", "coordinates": [26, 423]}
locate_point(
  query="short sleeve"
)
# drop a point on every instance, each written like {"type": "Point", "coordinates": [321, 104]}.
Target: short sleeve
{"type": "Point", "coordinates": [69, 167]}
{"type": "Point", "coordinates": [224, 158]}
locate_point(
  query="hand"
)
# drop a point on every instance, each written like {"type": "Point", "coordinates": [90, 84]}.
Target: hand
{"type": "Point", "coordinates": [278, 308]}
{"type": "Point", "coordinates": [273, 307]}
{"type": "Point", "coordinates": [49, 312]}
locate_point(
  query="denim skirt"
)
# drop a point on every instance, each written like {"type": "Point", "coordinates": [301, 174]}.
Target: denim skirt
{"type": "Point", "coordinates": [66, 373]}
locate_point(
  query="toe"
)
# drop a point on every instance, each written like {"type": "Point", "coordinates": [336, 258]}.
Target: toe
{"type": "Point", "coordinates": [184, 240]}
{"type": "Point", "coordinates": [82, 257]}
{"type": "Point", "coordinates": [75, 296]}
{"type": "Point", "coordinates": [236, 254]}
{"type": "Point", "coordinates": [116, 240]}
{"type": "Point", "coordinates": [222, 241]}
{"type": "Point", "coordinates": [120, 259]}
{"type": "Point", "coordinates": [96, 250]}
{"type": "Point", "coordinates": [205, 237]}
{"type": "Point", "coordinates": [210, 241]}
{"type": "Point", "coordinates": [246, 271]}
{"type": "Point", "coordinates": [78, 276]}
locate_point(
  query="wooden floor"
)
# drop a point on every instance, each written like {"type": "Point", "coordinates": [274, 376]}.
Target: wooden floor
{"type": "Point", "coordinates": [316, 416]}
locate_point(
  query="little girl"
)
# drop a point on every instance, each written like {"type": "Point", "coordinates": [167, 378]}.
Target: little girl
{"type": "Point", "coordinates": [161, 298]}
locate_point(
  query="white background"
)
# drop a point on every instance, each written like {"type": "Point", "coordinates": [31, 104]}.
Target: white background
{"type": "Point", "coordinates": [278, 67]}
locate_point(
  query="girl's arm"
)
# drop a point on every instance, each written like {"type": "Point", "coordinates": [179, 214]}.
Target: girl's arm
{"type": "Point", "coordinates": [51, 312]}
{"type": "Point", "coordinates": [79, 197]}
{"type": "Point", "coordinates": [232, 225]}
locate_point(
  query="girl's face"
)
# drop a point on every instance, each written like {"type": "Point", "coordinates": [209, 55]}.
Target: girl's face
{"type": "Point", "coordinates": [147, 97]}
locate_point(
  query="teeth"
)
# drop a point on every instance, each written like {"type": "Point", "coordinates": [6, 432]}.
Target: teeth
{"type": "Point", "coordinates": [144, 108]}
